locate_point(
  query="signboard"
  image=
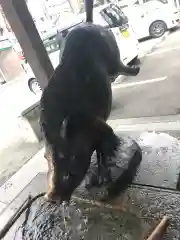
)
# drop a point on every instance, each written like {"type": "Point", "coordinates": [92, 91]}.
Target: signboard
{"type": "Point", "coordinates": [5, 44]}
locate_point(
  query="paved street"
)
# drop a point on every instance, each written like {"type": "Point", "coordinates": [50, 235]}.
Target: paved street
{"type": "Point", "coordinates": [155, 91]}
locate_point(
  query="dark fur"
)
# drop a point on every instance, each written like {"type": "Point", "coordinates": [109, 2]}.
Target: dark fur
{"type": "Point", "coordinates": [78, 99]}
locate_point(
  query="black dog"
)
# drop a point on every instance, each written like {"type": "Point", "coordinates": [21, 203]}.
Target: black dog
{"type": "Point", "coordinates": [76, 103]}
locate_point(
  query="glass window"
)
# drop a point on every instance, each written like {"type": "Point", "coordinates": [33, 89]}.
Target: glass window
{"type": "Point", "coordinates": [51, 43]}
{"type": "Point", "coordinates": [114, 15]}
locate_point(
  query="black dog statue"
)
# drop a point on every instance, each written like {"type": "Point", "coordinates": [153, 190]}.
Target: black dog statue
{"type": "Point", "coordinates": [75, 105]}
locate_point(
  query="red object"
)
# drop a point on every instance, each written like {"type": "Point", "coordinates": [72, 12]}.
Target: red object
{"type": "Point", "coordinates": [21, 55]}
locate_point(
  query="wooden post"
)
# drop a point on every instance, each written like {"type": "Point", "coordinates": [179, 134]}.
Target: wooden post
{"type": "Point", "coordinates": [160, 230]}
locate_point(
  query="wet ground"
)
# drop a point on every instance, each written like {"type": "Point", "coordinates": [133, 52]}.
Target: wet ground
{"type": "Point", "coordinates": [140, 210]}
{"type": "Point", "coordinates": [152, 195]}
{"type": "Point", "coordinates": [103, 223]}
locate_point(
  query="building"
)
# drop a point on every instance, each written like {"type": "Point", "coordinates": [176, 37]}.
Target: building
{"type": "Point", "coordinates": [172, 3]}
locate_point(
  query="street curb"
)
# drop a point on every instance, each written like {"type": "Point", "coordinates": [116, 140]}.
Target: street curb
{"type": "Point", "coordinates": [121, 79]}
{"type": "Point", "coordinates": [145, 120]}
{"type": "Point", "coordinates": [14, 185]}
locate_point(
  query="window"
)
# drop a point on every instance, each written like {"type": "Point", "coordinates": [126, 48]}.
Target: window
{"type": "Point", "coordinates": [51, 43]}
{"type": "Point", "coordinates": [114, 15]}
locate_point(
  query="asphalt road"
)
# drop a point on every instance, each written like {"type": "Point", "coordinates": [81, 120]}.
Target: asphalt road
{"type": "Point", "coordinates": [155, 91]}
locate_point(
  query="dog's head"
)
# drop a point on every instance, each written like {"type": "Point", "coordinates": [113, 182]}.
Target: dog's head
{"type": "Point", "coordinates": [69, 162]}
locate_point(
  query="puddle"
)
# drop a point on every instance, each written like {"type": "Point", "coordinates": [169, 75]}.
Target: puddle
{"type": "Point", "coordinates": [160, 165]}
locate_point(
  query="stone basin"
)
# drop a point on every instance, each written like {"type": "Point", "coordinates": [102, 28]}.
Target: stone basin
{"type": "Point", "coordinates": [46, 221]}
{"type": "Point", "coordinates": [137, 210]}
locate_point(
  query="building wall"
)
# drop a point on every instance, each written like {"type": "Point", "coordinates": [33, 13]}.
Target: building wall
{"type": "Point", "coordinates": [10, 64]}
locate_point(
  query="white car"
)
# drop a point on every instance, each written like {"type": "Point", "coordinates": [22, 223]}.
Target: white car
{"type": "Point", "coordinates": [110, 16]}
{"type": "Point", "coordinates": [152, 19]}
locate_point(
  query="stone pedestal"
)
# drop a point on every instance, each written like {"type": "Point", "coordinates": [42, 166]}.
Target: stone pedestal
{"type": "Point", "coordinates": [30, 118]}
{"type": "Point", "coordinates": [133, 214]}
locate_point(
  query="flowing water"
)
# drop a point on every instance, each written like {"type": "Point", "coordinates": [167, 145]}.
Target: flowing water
{"type": "Point", "coordinates": [78, 221]}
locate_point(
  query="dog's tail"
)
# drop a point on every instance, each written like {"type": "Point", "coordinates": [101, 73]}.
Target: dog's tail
{"type": "Point", "coordinates": [89, 10]}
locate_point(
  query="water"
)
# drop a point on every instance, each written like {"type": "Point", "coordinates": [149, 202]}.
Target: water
{"type": "Point", "coordinates": [88, 220]}
{"type": "Point", "coordinates": [79, 220]}
{"type": "Point", "coordinates": [106, 224]}
{"type": "Point", "coordinates": [160, 166]}
{"type": "Point", "coordinates": [159, 142]}
{"type": "Point", "coordinates": [75, 224]}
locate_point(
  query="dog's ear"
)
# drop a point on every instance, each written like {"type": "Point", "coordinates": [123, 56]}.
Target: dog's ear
{"type": "Point", "coordinates": [89, 10]}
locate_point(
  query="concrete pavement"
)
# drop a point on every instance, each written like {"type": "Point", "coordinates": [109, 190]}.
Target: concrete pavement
{"type": "Point", "coordinates": [15, 146]}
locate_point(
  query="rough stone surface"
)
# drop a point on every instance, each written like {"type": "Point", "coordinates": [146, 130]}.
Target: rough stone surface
{"type": "Point", "coordinates": [51, 221]}
{"type": "Point", "coordinates": [160, 165]}
{"type": "Point", "coordinates": [161, 160]}
{"type": "Point", "coordinates": [141, 208]}
{"type": "Point", "coordinates": [128, 153]}
{"type": "Point", "coordinates": [150, 205]}
{"type": "Point", "coordinates": [31, 118]}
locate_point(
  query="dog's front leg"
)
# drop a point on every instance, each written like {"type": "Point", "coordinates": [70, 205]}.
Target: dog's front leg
{"type": "Point", "coordinates": [104, 174]}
